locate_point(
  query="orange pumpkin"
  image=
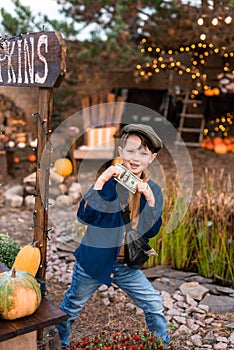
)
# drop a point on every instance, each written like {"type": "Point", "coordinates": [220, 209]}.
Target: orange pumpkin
{"type": "Point", "coordinates": [220, 148]}
{"type": "Point", "coordinates": [208, 92]}
{"type": "Point", "coordinates": [230, 147]}
{"type": "Point", "coordinates": [216, 91]}
{"type": "Point", "coordinates": [32, 158]}
{"type": "Point", "coordinates": [20, 294]}
{"type": "Point", "coordinates": [28, 259]}
{"type": "Point", "coordinates": [16, 160]}
{"type": "Point", "coordinates": [209, 144]}
{"type": "Point", "coordinates": [63, 166]}
{"type": "Point", "coordinates": [217, 140]}
{"type": "Point", "coordinates": [227, 140]}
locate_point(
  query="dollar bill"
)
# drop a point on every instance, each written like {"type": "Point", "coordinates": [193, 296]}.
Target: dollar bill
{"type": "Point", "coordinates": [127, 178]}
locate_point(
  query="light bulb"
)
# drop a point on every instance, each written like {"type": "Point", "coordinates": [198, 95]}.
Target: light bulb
{"type": "Point", "coordinates": [200, 21]}
{"type": "Point", "coordinates": [228, 19]}
{"type": "Point", "coordinates": [203, 36]}
{"type": "Point", "coordinates": [215, 21]}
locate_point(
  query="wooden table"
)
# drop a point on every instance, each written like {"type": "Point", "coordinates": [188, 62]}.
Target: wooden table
{"type": "Point", "coordinates": [22, 332]}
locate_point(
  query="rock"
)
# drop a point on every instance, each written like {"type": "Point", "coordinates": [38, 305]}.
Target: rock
{"type": "Point", "coordinates": [64, 200]}
{"type": "Point", "coordinates": [17, 190]}
{"type": "Point", "coordinates": [196, 339]}
{"type": "Point", "coordinates": [179, 275]}
{"type": "Point", "coordinates": [194, 290]}
{"type": "Point", "coordinates": [29, 202]}
{"type": "Point", "coordinates": [75, 191]}
{"type": "Point", "coordinates": [161, 286]}
{"type": "Point", "coordinates": [30, 179]}
{"type": "Point", "coordinates": [102, 288]}
{"type": "Point", "coordinates": [179, 319]}
{"type": "Point", "coordinates": [199, 279]}
{"type": "Point", "coordinates": [225, 290]}
{"type": "Point", "coordinates": [156, 272]}
{"type": "Point", "coordinates": [190, 300]}
{"type": "Point", "coordinates": [218, 304]}
{"type": "Point", "coordinates": [231, 338]}
{"type": "Point", "coordinates": [220, 346]}
{"type": "Point", "coordinates": [13, 200]}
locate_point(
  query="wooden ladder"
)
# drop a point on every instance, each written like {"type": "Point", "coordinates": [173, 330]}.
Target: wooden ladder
{"type": "Point", "coordinates": [192, 122]}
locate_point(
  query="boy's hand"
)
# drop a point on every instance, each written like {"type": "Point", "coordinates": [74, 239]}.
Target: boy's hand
{"type": "Point", "coordinates": [145, 189]}
{"type": "Point", "coordinates": [110, 172]}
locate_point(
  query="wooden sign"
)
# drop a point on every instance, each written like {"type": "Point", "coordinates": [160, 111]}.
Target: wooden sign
{"type": "Point", "coordinates": [32, 60]}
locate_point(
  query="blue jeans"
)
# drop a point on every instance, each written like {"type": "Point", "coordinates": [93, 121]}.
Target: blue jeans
{"type": "Point", "coordinates": [133, 282]}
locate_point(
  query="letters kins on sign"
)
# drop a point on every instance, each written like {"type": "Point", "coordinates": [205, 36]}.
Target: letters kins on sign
{"type": "Point", "coordinates": [36, 59]}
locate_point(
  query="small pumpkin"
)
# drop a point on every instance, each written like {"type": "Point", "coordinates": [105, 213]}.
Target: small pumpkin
{"type": "Point", "coordinates": [209, 144]}
{"type": "Point", "coordinates": [63, 166]}
{"type": "Point", "coordinates": [16, 160]}
{"type": "Point", "coordinates": [216, 91]}
{"type": "Point", "coordinates": [220, 148]}
{"type": "Point", "coordinates": [28, 259]}
{"type": "Point", "coordinates": [208, 92]}
{"type": "Point", "coordinates": [32, 158]}
{"type": "Point", "coordinates": [217, 140]}
{"type": "Point", "coordinates": [20, 294]}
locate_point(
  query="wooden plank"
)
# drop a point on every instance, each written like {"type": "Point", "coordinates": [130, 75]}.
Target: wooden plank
{"type": "Point", "coordinates": [86, 112]}
{"type": "Point", "coordinates": [195, 130]}
{"type": "Point", "coordinates": [33, 60]}
{"type": "Point", "coordinates": [187, 101]}
{"type": "Point", "coordinates": [94, 111]}
{"type": "Point", "coordinates": [192, 116]}
{"type": "Point", "coordinates": [93, 154]}
{"type": "Point", "coordinates": [111, 108]}
{"type": "Point", "coordinates": [118, 111]}
{"type": "Point", "coordinates": [191, 144]}
{"type": "Point", "coordinates": [46, 315]}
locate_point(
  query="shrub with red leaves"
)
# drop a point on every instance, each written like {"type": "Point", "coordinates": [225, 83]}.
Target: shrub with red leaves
{"type": "Point", "coordinates": [118, 341]}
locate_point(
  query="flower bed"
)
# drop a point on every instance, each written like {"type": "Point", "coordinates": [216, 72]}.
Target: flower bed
{"type": "Point", "coordinates": [135, 341]}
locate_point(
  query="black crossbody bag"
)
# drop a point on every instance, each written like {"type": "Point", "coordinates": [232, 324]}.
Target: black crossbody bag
{"type": "Point", "coordinates": [136, 250]}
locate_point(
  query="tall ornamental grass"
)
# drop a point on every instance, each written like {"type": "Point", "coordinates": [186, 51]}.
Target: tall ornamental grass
{"type": "Point", "coordinates": [203, 240]}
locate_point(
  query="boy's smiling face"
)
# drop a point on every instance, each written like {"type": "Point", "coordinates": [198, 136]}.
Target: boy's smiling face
{"type": "Point", "coordinates": [136, 157]}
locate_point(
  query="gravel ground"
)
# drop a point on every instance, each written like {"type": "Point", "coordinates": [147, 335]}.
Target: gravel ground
{"type": "Point", "coordinates": [96, 316]}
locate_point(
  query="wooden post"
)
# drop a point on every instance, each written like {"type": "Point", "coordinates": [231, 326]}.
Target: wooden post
{"type": "Point", "coordinates": [40, 220]}
{"type": "Point", "coordinates": [37, 60]}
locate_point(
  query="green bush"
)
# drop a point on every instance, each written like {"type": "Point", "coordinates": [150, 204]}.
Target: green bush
{"type": "Point", "coordinates": [203, 240]}
{"type": "Point", "coordinates": [8, 250]}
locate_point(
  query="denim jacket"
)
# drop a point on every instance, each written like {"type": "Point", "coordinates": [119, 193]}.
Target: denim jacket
{"type": "Point", "coordinates": [100, 211]}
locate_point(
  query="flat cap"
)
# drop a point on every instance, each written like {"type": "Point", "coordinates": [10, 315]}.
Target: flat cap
{"type": "Point", "coordinates": [145, 130]}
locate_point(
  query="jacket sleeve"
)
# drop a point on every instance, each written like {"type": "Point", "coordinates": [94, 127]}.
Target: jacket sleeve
{"type": "Point", "coordinates": [98, 207]}
{"type": "Point", "coordinates": [151, 220]}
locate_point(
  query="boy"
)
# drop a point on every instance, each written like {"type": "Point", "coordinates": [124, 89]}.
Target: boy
{"type": "Point", "coordinates": [100, 255]}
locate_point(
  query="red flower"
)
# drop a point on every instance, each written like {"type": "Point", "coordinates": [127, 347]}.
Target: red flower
{"type": "Point", "coordinates": [136, 337]}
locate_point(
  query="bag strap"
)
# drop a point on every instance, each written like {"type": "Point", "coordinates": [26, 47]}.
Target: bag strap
{"type": "Point", "coordinates": [124, 206]}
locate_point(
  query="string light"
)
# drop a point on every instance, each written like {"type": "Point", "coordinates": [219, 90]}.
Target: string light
{"type": "Point", "coordinates": [219, 126]}
{"type": "Point", "coordinates": [168, 59]}
{"type": "Point", "coordinates": [228, 19]}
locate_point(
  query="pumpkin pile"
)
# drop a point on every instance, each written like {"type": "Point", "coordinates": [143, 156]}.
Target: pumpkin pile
{"type": "Point", "coordinates": [212, 92]}
{"type": "Point", "coordinates": [20, 293]}
{"type": "Point", "coordinates": [219, 145]}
